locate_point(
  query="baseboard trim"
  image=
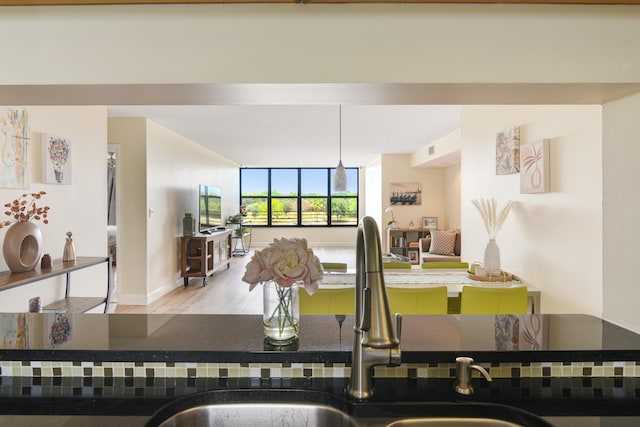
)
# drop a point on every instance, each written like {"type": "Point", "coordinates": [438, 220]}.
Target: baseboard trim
{"type": "Point", "coordinates": [141, 299]}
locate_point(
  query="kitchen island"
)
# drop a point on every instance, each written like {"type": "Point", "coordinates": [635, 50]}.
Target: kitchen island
{"type": "Point", "coordinates": [129, 365]}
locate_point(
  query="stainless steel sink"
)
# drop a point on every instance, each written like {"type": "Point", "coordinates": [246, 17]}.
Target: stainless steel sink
{"type": "Point", "coordinates": [254, 407]}
{"type": "Point", "coordinates": [452, 422]}
{"type": "Point", "coordinates": [260, 415]}
{"type": "Point", "coordinates": [309, 408]}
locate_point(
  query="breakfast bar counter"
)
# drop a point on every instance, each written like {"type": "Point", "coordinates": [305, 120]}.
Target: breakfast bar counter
{"type": "Point", "coordinates": [97, 367]}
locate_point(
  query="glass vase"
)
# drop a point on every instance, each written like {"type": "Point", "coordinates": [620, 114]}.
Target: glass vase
{"type": "Point", "coordinates": [492, 258]}
{"type": "Point", "coordinates": [281, 314]}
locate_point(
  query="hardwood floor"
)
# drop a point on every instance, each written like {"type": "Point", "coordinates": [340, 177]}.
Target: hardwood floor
{"type": "Point", "coordinates": [225, 292]}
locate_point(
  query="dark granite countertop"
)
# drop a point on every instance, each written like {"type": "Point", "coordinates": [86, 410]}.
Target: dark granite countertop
{"type": "Point", "coordinates": [227, 338]}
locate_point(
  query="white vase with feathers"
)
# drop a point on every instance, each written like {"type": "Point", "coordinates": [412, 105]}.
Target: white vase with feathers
{"type": "Point", "coordinates": [493, 220]}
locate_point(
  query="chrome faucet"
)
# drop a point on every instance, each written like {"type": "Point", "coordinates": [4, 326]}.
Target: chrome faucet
{"type": "Point", "coordinates": [375, 342]}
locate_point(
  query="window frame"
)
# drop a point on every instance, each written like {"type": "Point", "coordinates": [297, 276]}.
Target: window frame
{"type": "Point", "coordinates": [300, 197]}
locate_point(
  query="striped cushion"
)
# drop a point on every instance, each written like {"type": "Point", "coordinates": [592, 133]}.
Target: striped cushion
{"type": "Point", "coordinates": [442, 242]}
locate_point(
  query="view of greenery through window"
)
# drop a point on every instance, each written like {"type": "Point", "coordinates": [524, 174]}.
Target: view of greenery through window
{"type": "Point", "coordinates": [298, 197]}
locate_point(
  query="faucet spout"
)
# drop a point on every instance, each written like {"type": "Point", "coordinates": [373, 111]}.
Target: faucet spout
{"type": "Point", "coordinates": [376, 340]}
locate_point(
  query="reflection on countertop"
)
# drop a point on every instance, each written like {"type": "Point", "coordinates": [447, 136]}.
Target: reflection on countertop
{"type": "Point", "coordinates": [229, 333]}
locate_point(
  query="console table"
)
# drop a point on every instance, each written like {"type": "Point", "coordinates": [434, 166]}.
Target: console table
{"type": "Point", "coordinates": [202, 255]}
{"type": "Point", "coordinates": [10, 280]}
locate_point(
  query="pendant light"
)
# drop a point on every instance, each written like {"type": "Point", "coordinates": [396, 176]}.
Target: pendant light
{"type": "Point", "coordinates": [340, 177]}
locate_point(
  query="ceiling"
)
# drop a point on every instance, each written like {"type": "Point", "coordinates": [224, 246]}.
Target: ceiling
{"type": "Point", "coordinates": [303, 135]}
{"type": "Point", "coordinates": [266, 124]}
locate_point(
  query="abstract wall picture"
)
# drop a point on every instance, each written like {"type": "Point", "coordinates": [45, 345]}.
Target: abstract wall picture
{"type": "Point", "coordinates": [507, 332]}
{"type": "Point", "coordinates": [14, 331]}
{"type": "Point", "coordinates": [60, 330]}
{"type": "Point", "coordinates": [533, 333]}
{"type": "Point", "coordinates": [15, 136]}
{"type": "Point", "coordinates": [405, 194]}
{"type": "Point", "coordinates": [508, 151]}
{"type": "Point", "coordinates": [57, 159]}
{"type": "Point", "coordinates": [534, 167]}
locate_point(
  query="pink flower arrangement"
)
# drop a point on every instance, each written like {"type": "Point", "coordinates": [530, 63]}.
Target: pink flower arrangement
{"type": "Point", "coordinates": [23, 210]}
{"type": "Point", "coordinates": [285, 261]}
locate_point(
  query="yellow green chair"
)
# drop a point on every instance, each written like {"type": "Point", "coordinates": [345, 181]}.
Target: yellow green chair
{"type": "Point", "coordinates": [328, 301]}
{"type": "Point", "coordinates": [481, 300]}
{"type": "Point", "coordinates": [396, 265]}
{"type": "Point", "coordinates": [445, 264]}
{"type": "Point", "coordinates": [340, 267]}
{"type": "Point", "coordinates": [418, 300]}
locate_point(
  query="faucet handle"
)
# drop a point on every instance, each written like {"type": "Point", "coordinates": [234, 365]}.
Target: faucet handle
{"type": "Point", "coordinates": [398, 325]}
{"type": "Point", "coordinates": [464, 365]}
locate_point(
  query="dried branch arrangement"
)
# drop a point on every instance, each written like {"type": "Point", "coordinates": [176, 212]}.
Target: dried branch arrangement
{"type": "Point", "coordinates": [492, 217]}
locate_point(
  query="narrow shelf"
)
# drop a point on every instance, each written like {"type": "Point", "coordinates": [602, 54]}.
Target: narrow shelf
{"type": "Point", "coordinates": [75, 304]}
{"type": "Point", "coordinates": [59, 267]}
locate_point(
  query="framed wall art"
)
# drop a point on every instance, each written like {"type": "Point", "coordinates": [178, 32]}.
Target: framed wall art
{"type": "Point", "coordinates": [534, 167]}
{"type": "Point", "coordinates": [508, 151]}
{"type": "Point", "coordinates": [15, 138]}
{"type": "Point", "coordinates": [429, 222]}
{"type": "Point", "coordinates": [57, 159]}
{"type": "Point", "coordinates": [405, 193]}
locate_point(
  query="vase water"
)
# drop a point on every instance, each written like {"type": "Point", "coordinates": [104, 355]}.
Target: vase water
{"type": "Point", "coordinates": [281, 314]}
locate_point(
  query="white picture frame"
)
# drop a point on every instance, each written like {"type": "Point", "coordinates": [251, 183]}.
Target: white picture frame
{"type": "Point", "coordinates": [56, 159]}
{"type": "Point", "coordinates": [508, 151]}
{"type": "Point", "coordinates": [429, 222]}
{"type": "Point", "coordinates": [15, 144]}
{"type": "Point", "coordinates": [534, 167]}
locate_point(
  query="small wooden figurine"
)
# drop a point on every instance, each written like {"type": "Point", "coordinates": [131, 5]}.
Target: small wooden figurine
{"type": "Point", "coordinates": [69, 250]}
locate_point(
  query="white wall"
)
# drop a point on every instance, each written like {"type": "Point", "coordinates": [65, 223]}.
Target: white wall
{"type": "Point", "coordinates": [621, 211]}
{"type": "Point", "coordinates": [80, 207]}
{"type": "Point", "coordinates": [290, 43]}
{"type": "Point", "coordinates": [452, 196]}
{"type": "Point", "coordinates": [131, 136]}
{"type": "Point", "coordinates": [160, 173]}
{"type": "Point", "coordinates": [373, 202]}
{"type": "Point", "coordinates": [175, 167]}
{"type": "Point", "coordinates": [552, 240]}
{"type": "Point", "coordinates": [439, 153]}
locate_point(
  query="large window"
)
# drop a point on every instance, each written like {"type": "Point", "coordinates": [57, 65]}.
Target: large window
{"type": "Point", "coordinates": [298, 197]}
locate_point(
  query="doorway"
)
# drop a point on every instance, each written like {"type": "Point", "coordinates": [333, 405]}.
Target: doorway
{"type": "Point", "coordinates": [113, 152]}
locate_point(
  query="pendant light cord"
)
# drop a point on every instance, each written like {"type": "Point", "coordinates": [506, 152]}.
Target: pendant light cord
{"type": "Point", "coordinates": [340, 137]}
{"type": "Point", "coordinates": [340, 175]}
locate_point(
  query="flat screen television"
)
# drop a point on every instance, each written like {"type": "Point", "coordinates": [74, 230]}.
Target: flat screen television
{"type": "Point", "coordinates": [210, 208]}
